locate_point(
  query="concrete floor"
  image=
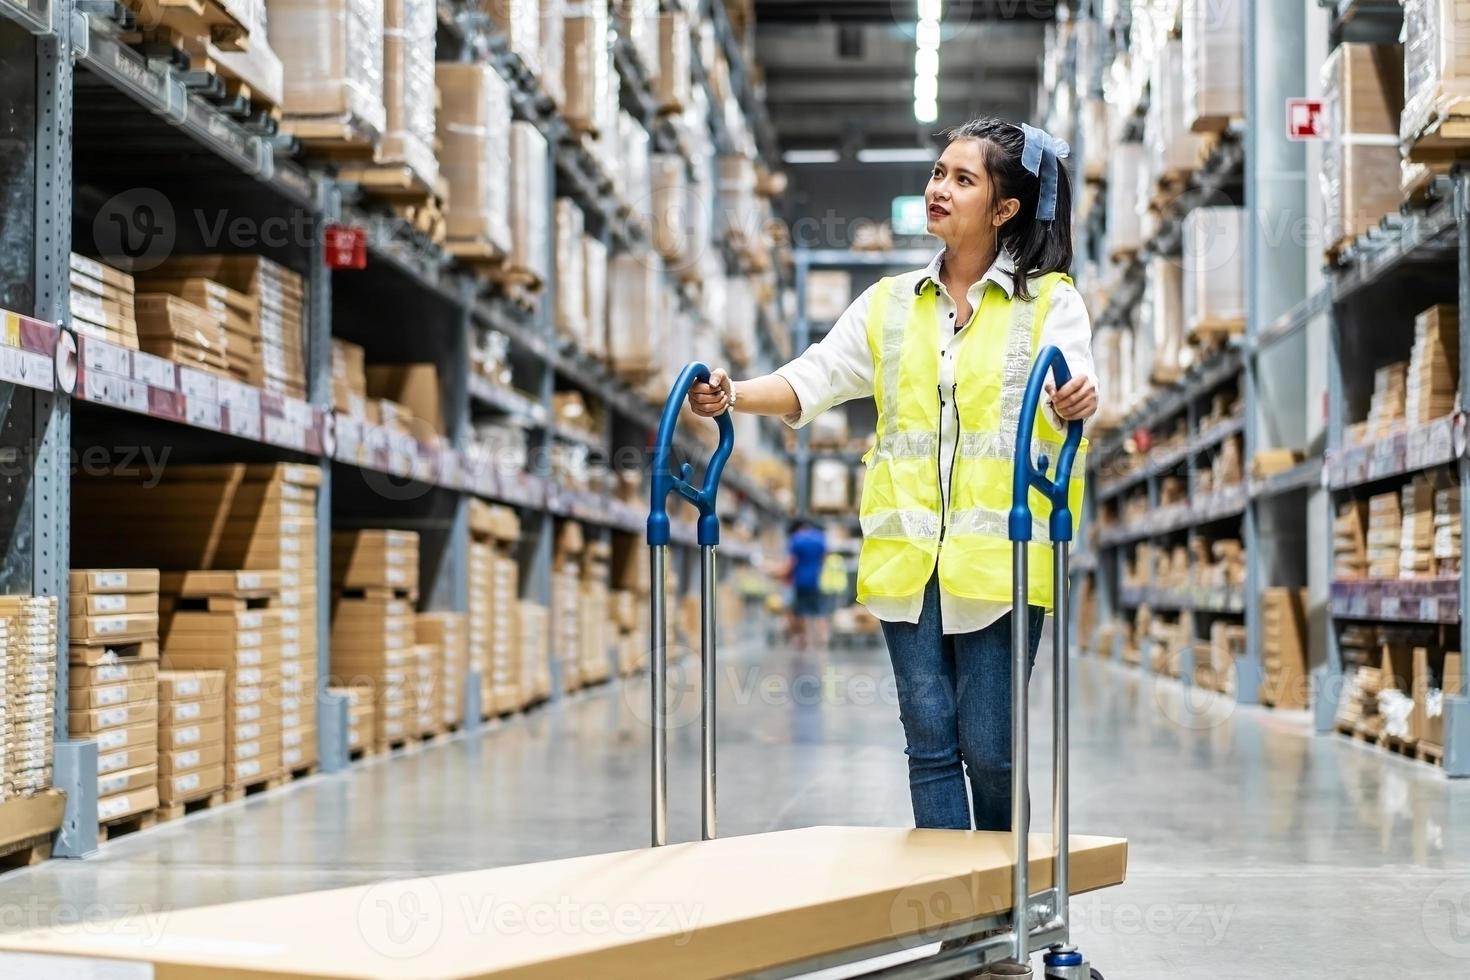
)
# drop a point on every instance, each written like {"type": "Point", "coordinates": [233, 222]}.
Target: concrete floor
{"type": "Point", "coordinates": [1256, 849]}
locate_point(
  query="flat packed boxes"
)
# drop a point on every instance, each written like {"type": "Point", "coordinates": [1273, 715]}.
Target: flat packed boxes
{"type": "Point", "coordinates": [361, 728]}
{"type": "Point", "coordinates": [1350, 540]}
{"type": "Point", "coordinates": [375, 580]}
{"type": "Point", "coordinates": [1434, 365]}
{"type": "Point", "coordinates": [1363, 88]}
{"type": "Point", "coordinates": [494, 627]}
{"type": "Point", "coordinates": [102, 302]}
{"type": "Point", "coordinates": [113, 696]}
{"type": "Point", "coordinates": [191, 737]}
{"type": "Point", "coordinates": [445, 633]}
{"type": "Point", "coordinates": [231, 621]}
{"type": "Point", "coordinates": [1385, 526]}
{"type": "Point", "coordinates": [534, 627]}
{"type": "Point", "coordinates": [1284, 647]}
{"type": "Point", "coordinates": [178, 330]}
{"type": "Point", "coordinates": [27, 693]}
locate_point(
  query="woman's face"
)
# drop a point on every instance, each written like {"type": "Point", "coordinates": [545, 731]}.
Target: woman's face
{"type": "Point", "coordinates": [962, 209]}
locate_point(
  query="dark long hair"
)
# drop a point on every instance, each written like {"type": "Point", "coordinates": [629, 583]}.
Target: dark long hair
{"type": "Point", "coordinates": [1039, 247]}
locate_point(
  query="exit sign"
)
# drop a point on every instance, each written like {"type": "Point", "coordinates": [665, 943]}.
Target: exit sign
{"type": "Point", "coordinates": [1305, 119]}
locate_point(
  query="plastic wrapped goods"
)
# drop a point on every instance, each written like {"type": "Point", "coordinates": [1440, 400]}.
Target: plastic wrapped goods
{"type": "Point", "coordinates": [1173, 149]}
{"type": "Point", "coordinates": [571, 306]}
{"type": "Point", "coordinates": [586, 70]}
{"type": "Point", "coordinates": [675, 78]}
{"type": "Point", "coordinates": [1125, 164]}
{"type": "Point", "coordinates": [332, 51]}
{"type": "Point", "coordinates": [474, 135]}
{"type": "Point", "coordinates": [636, 177]}
{"type": "Point", "coordinates": [1436, 67]}
{"type": "Point", "coordinates": [594, 296]}
{"type": "Point", "coordinates": [520, 22]}
{"type": "Point", "coordinates": [1361, 86]}
{"type": "Point", "coordinates": [409, 93]}
{"type": "Point", "coordinates": [673, 234]}
{"type": "Point", "coordinates": [633, 313]}
{"type": "Point", "coordinates": [1214, 63]}
{"type": "Point", "coordinates": [530, 236]}
{"type": "Point", "coordinates": [1163, 303]}
{"type": "Point", "coordinates": [830, 491]}
{"type": "Point", "coordinates": [553, 50]}
{"type": "Point", "coordinates": [1214, 271]}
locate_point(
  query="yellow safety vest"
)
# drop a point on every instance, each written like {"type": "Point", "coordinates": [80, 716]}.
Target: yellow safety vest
{"type": "Point", "coordinates": [906, 527]}
{"type": "Point", "coordinates": [834, 574]}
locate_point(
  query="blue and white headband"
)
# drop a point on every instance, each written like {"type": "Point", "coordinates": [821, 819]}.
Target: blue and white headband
{"type": "Point", "coordinates": [1039, 156]}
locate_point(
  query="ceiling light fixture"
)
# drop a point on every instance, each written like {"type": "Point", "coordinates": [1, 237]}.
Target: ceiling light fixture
{"type": "Point", "coordinates": [926, 60]}
{"type": "Point", "coordinates": [896, 154]}
{"type": "Point", "coordinates": [797, 157]}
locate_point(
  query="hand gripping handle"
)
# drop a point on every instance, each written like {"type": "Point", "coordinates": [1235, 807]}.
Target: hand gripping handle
{"type": "Point", "coordinates": [666, 480]}
{"type": "Point", "coordinates": [1027, 474]}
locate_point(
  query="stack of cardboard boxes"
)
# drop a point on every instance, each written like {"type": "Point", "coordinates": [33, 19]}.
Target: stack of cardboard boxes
{"type": "Point", "coordinates": [171, 327]}
{"type": "Point", "coordinates": [1435, 678]}
{"type": "Point", "coordinates": [1363, 92]}
{"type": "Point", "coordinates": [1284, 647]}
{"type": "Point", "coordinates": [596, 627]}
{"type": "Point", "coordinates": [1447, 517]}
{"type": "Point", "coordinates": [113, 653]}
{"type": "Point", "coordinates": [1434, 365]}
{"type": "Point", "coordinates": [349, 379]}
{"type": "Point", "coordinates": [566, 599]}
{"type": "Point", "coordinates": [1416, 536]}
{"type": "Point", "coordinates": [1227, 645]}
{"type": "Point", "coordinates": [1350, 540]}
{"type": "Point", "coordinates": [424, 696]}
{"type": "Point", "coordinates": [1385, 530]}
{"type": "Point", "coordinates": [1390, 392]}
{"type": "Point", "coordinates": [333, 57]}
{"type": "Point", "coordinates": [361, 717]}
{"type": "Point", "coordinates": [191, 739]}
{"type": "Point", "coordinates": [231, 621]}
{"type": "Point", "coordinates": [474, 138]}
{"type": "Point", "coordinates": [494, 622]}
{"type": "Point", "coordinates": [535, 638]}
{"type": "Point", "coordinates": [446, 633]}
{"type": "Point", "coordinates": [102, 302]}
{"type": "Point", "coordinates": [375, 576]}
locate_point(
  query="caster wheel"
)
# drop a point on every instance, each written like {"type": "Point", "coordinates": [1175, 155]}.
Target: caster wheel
{"type": "Point", "coordinates": [1096, 973]}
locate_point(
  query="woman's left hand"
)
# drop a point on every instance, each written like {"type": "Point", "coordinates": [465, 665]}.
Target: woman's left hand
{"type": "Point", "coordinates": [1077, 399]}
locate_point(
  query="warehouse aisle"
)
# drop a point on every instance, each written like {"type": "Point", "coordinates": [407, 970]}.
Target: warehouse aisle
{"type": "Point", "coordinates": [1254, 847]}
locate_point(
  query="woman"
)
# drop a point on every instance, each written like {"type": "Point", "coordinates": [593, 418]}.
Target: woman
{"type": "Point", "coordinates": [945, 351]}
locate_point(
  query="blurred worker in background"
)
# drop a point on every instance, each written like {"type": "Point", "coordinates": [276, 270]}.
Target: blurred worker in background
{"type": "Point", "coordinates": [808, 550]}
{"type": "Point", "coordinates": [945, 352]}
{"type": "Point", "coordinates": [834, 592]}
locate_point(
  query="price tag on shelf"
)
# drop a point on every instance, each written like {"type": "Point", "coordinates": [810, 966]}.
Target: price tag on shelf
{"type": "Point", "coordinates": [198, 384]}
{"type": "Point", "coordinates": [243, 423]}
{"type": "Point", "coordinates": [204, 414]}
{"type": "Point", "coordinates": [279, 432]}
{"type": "Point", "coordinates": [106, 389]}
{"type": "Point", "coordinates": [1429, 610]}
{"type": "Point", "coordinates": [1389, 607]}
{"type": "Point", "coordinates": [1358, 604]}
{"type": "Point", "coordinates": [346, 247]}
{"type": "Point", "coordinates": [156, 372]}
{"type": "Point", "coordinates": [297, 412]}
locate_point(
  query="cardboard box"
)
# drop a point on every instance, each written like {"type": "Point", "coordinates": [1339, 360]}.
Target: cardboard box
{"type": "Point", "coordinates": [185, 786]}
{"type": "Point", "coordinates": [416, 386]}
{"type": "Point", "coordinates": [88, 698]}
{"type": "Point", "coordinates": [474, 137]}
{"type": "Point", "coordinates": [125, 805]}
{"type": "Point", "coordinates": [118, 629]}
{"type": "Point", "coordinates": [88, 722]}
{"type": "Point", "coordinates": [1362, 86]}
{"type": "Point", "coordinates": [84, 605]}
{"type": "Point", "coordinates": [190, 736]}
{"type": "Point", "coordinates": [127, 780]}
{"type": "Point", "coordinates": [333, 55]}
{"type": "Point", "coordinates": [191, 685]}
{"type": "Point", "coordinates": [124, 672]}
{"type": "Point", "coordinates": [191, 759]}
{"type": "Point", "coordinates": [127, 758]}
{"type": "Point", "coordinates": [113, 580]}
{"type": "Point", "coordinates": [112, 740]}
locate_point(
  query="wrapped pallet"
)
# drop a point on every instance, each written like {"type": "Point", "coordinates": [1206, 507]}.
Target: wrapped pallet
{"type": "Point", "coordinates": [409, 93]}
{"type": "Point", "coordinates": [637, 22]}
{"type": "Point", "coordinates": [1363, 96]}
{"type": "Point", "coordinates": [587, 69]}
{"type": "Point", "coordinates": [594, 297]}
{"type": "Point", "coordinates": [474, 135]}
{"type": "Point", "coordinates": [258, 67]}
{"type": "Point", "coordinates": [571, 304]}
{"type": "Point", "coordinates": [829, 492]}
{"type": "Point", "coordinates": [1214, 63]}
{"type": "Point", "coordinates": [635, 178]}
{"type": "Point", "coordinates": [1173, 150]}
{"type": "Point", "coordinates": [633, 314]}
{"type": "Point", "coordinates": [553, 49]}
{"type": "Point", "coordinates": [1214, 273]}
{"type": "Point", "coordinates": [520, 23]}
{"type": "Point", "coordinates": [673, 233]}
{"type": "Point", "coordinates": [1125, 164]}
{"type": "Point", "coordinates": [332, 51]}
{"type": "Point", "coordinates": [530, 236]}
{"type": "Point", "coordinates": [1436, 72]}
{"type": "Point", "coordinates": [1163, 310]}
{"type": "Point", "coordinates": [672, 87]}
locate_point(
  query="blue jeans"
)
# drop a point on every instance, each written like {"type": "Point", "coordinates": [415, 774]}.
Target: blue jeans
{"type": "Point", "coordinates": [954, 698]}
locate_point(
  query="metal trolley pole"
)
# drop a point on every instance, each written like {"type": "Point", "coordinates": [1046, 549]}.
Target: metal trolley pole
{"type": "Point", "coordinates": [665, 481]}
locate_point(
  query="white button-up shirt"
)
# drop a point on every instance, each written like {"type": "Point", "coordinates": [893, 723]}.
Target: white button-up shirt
{"type": "Point", "coordinates": [839, 368]}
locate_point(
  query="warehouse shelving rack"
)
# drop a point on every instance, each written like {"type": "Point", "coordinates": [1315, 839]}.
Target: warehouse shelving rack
{"type": "Point", "coordinates": [72, 85]}
{"type": "Point", "coordinates": [1268, 514]}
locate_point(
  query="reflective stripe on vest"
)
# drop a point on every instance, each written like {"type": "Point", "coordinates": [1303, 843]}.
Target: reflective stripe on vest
{"type": "Point", "coordinates": [903, 515]}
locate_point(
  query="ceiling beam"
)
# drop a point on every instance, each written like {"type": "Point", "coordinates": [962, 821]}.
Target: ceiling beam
{"type": "Point", "coordinates": [898, 11]}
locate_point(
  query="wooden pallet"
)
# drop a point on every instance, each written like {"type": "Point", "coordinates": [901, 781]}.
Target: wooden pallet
{"type": "Point", "coordinates": [193, 18]}
{"type": "Point", "coordinates": [122, 826]}
{"type": "Point", "coordinates": [346, 139]}
{"type": "Point", "coordinates": [1168, 187]}
{"type": "Point", "coordinates": [26, 826]}
{"type": "Point", "coordinates": [480, 256]}
{"type": "Point", "coordinates": [379, 593]}
{"type": "Point", "coordinates": [1211, 335]}
{"type": "Point", "coordinates": [1446, 131]}
{"type": "Point", "coordinates": [1430, 753]}
{"type": "Point", "coordinates": [208, 77]}
{"type": "Point", "coordinates": [178, 810]}
{"type": "Point", "coordinates": [389, 182]}
{"type": "Point", "coordinates": [393, 745]}
{"type": "Point", "coordinates": [264, 784]}
{"type": "Point", "coordinates": [303, 772]}
{"type": "Point", "coordinates": [426, 217]}
{"type": "Point", "coordinates": [363, 752]}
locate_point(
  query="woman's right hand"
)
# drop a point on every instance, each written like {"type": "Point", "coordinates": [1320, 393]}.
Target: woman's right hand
{"type": "Point", "coordinates": [709, 399]}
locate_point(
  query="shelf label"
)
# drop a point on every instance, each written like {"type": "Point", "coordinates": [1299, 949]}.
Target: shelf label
{"type": "Point", "coordinates": [243, 423]}
{"type": "Point", "coordinates": [1429, 610]}
{"type": "Point", "coordinates": [157, 372]}
{"type": "Point", "coordinates": [238, 397]}
{"type": "Point", "coordinates": [198, 384]}
{"type": "Point", "coordinates": [26, 368]}
{"type": "Point", "coordinates": [1389, 607]}
{"type": "Point", "coordinates": [100, 355]}
{"type": "Point", "coordinates": [1305, 119]}
{"type": "Point", "coordinates": [120, 392]}
{"type": "Point", "coordinates": [346, 247]}
{"type": "Point", "coordinates": [204, 414]}
{"type": "Point", "coordinates": [297, 412]}
{"type": "Point", "coordinates": [282, 433]}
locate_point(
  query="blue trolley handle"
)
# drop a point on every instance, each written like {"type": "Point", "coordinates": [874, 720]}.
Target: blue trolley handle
{"type": "Point", "coordinates": [1027, 474]}
{"type": "Point", "coordinates": [664, 480]}
{"type": "Point", "coordinates": [1030, 475]}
